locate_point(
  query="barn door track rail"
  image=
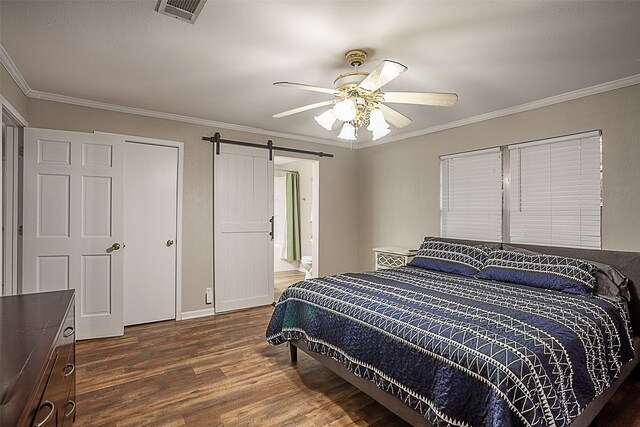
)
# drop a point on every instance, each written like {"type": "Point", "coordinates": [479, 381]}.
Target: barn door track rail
{"type": "Point", "coordinates": [217, 139]}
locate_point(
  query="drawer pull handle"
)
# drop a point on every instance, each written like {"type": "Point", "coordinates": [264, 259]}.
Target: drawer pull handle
{"type": "Point", "coordinates": [49, 415]}
{"type": "Point", "coordinates": [68, 370]}
{"type": "Point", "coordinates": [68, 331]}
{"type": "Point", "coordinates": [69, 412]}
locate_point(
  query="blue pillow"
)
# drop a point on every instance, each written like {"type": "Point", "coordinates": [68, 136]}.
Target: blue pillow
{"type": "Point", "coordinates": [454, 258]}
{"type": "Point", "coordinates": [570, 275]}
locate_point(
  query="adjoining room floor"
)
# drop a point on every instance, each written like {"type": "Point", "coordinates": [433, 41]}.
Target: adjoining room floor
{"type": "Point", "coordinates": [284, 279]}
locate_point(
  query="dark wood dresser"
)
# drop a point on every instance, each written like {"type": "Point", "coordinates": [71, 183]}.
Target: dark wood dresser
{"type": "Point", "coordinates": [37, 359]}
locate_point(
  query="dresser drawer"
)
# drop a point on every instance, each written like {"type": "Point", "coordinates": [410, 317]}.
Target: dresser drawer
{"type": "Point", "coordinates": [68, 334]}
{"type": "Point", "coordinates": [68, 413]}
{"type": "Point", "coordinates": [67, 370]}
{"type": "Point", "coordinates": [45, 412]}
{"type": "Point", "coordinates": [38, 361]}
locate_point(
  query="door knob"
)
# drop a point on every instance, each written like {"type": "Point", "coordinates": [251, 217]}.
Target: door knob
{"type": "Point", "coordinates": [115, 246]}
{"type": "Point", "coordinates": [169, 242]}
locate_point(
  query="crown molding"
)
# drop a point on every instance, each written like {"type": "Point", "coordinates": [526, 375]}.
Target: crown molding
{"type": "Point", "coordinates": [557, 99]}
{"type": "Point", "coordinates": [11, 68]}
{"type": "Point", "coordinates": [46, 96]}
{"type": "Point", "coordinates": [13, 71]}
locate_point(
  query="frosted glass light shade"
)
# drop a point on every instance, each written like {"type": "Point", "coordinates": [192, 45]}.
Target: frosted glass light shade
{"type": "Point", "coordinates": [345, 110]}
{"type": "Point", "coordinates": [380, 132]}
{"type": "Point", "coordinates": [348, 132]}
{"type": "Point", "coordinates": [326, 119]}
{"type": "Point", "coordinates": [377, 121]}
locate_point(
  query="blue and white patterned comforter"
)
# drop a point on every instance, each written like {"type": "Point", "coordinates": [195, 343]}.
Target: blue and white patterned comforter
{"type": "Point", "coordinates": [462, 351]}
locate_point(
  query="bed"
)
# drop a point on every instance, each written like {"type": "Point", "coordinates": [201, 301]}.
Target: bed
{"type": "Point", "coordinates": [453, 347]}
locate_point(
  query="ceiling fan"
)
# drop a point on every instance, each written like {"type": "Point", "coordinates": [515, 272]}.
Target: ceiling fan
{"type": "Point", "coordinates": [358, 101]}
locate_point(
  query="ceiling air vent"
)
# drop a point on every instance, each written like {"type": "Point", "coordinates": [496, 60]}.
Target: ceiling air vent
{"type": "Point", "coordinates": [186, 10]}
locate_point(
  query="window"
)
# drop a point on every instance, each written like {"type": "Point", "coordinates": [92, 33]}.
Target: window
{"type": "Point", "coordinates": [552, 196]}
{"type": "Point", "coordinates": [471, 195]}
{"type": "Point", "coordinates": [555, 192]}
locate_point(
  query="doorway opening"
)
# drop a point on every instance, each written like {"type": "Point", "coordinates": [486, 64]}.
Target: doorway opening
{"type": "Point", "coordinates": [10, 252]}
{"type": "Point", "coordinates": [296, 221]}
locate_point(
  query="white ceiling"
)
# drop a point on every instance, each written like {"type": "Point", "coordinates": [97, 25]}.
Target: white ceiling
{"type": "Point", "coordinates": [494, 55]}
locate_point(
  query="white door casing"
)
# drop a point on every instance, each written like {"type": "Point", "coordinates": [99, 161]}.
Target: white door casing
{"type": "Point", "coordinates": [150, 227]}
{"type": "Point", "coordinates": [14, 122]}
{"type": "Point", "coordinates": [72, 215]}
{"type": "Point", "coordinates": [10, 218]}
{"type": "Point", "coordinates": [243, 211]}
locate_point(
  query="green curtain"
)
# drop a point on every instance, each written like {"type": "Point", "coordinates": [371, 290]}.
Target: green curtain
{"type": "Point", "coordinates": [293, 217]}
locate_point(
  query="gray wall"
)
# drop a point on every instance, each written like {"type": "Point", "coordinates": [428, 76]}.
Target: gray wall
{"type": "Point", "coordinates": [398, 191]}
{"type": "Point", "coordinates": [338, 187]}
{"type": "Point", "coordinates": [386, 195]}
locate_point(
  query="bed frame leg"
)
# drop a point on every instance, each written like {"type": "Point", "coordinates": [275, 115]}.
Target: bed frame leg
{"type": "Point", "coordinates": [293, 352]}
{"type": "Point", "coordinates": [635, 374]}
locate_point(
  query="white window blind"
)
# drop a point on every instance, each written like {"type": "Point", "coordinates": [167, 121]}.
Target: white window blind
{"type": "Point", "coordinates": [471, 195]}
{"type": "Point", "coordinates": [555, 192]}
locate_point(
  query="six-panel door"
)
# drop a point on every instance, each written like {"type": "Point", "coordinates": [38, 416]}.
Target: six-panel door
{"type": "Point", "coordinates": [72, 222]}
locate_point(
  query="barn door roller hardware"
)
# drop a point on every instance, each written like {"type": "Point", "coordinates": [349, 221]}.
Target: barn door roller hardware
{"type": "Point", "coordinates": [216, 139]}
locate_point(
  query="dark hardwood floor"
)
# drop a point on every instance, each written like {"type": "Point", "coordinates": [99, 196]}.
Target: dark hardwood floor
{"type": "Point", "coordinates": [219, 371]}
{"type": "Point", "coordinates": [212, 371]}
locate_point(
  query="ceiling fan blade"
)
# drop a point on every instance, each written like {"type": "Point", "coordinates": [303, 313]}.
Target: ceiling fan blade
{"type": "Point", "coordinates": [382, 74]}
{"type": "Point", "coordinates": [422, 98]}
{"type": "Point", "coordinates": [393, 117]}
{"type": "Point", "coordinates": [307, 87]}
{"type": "Point", "coordinates": [304, 108]}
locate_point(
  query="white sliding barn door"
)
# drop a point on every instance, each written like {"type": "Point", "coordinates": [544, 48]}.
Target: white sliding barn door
{"type": "Point", "coordinates": [243, 211]}
{"type": "Point", "coordinates": [72, 221]}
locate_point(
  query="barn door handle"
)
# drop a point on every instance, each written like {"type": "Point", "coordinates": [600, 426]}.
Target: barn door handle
{"type": "Point", "coordinates": [271, 232]}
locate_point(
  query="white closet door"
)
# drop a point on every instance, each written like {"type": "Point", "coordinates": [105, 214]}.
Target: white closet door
{"type": "Point", "coordinates": [150, 225]}
{"type": "Point", "coordinates": [72, 221]}
{"type": "Point", "coordinates": [243, 211]}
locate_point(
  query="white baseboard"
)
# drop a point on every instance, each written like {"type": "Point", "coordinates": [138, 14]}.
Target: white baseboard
{"type": "Point", "coordinates": [197, 313]}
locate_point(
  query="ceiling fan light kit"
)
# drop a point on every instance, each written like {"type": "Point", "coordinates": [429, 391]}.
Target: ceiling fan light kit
{"type": "Point", "coordinates": [348, 132]}
{"type": "Point", "coordinates": [379, 133]}
{"type": "Point", "coordinates": [359, 103]}
{"type": "Point", "coordinates": [376, 120]}
{"type": "Point", "coordinates": [345, 110]}
{"type": "Point", "coordinates": [326, 119]}
{"type": "Point", "coordinates": [377, 124]}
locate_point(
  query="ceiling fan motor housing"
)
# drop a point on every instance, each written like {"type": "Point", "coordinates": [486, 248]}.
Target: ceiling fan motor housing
{"type": "Point", "coordinates": [356, 57]}
{"type": "Point", "coordinates": [350, 80]}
